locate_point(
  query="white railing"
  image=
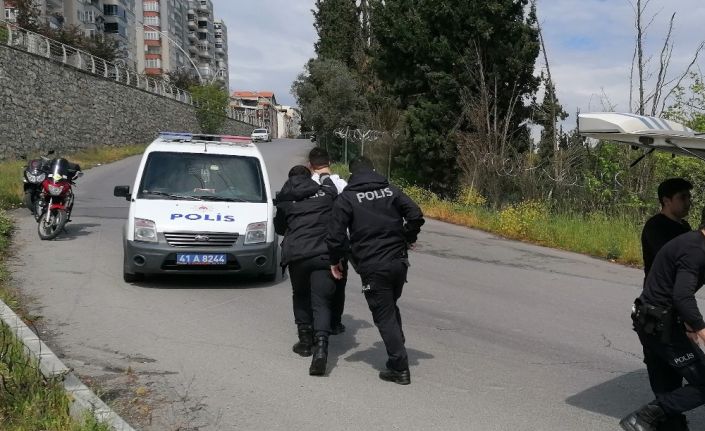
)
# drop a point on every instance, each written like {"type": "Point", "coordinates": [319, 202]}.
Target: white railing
{"type": "Point", "coordinates": [38, 44]}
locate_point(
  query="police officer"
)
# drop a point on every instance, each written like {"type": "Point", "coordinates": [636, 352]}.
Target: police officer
{"type": "Point", "coordinates": [383, 224]}
{"type": "Point", "coordinates": [303, 211]}
{"type": "Point", "coordinates": [674, 197]}
{"type": "Point", "coordinates": [670, 326]}
{"type": "Point", "coordinates": [319, 162]}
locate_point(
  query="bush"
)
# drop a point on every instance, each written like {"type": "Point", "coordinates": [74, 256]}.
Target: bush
{"type": "Point", "coordinates": [517, 220]}
{"type": "Point", "coordinates": [469, 196]}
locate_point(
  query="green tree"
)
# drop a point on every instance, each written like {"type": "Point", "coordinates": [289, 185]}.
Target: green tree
{"type": "Point", "coordinates": [429, 54]}
{"type": "Point", "coordinates": [548, 115]}
{"type": "Point", "coordinates": [211, 102]}
{"type": "Point", "coordinates": [339, 31]}
{"type": "Point", "coordinates": [183, 78]}
{"type": "Point", "coordinates": [329, 96]}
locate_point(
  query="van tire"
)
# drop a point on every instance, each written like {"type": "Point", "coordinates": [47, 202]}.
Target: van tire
{"type": "Point", "coordinates": [132, 278]}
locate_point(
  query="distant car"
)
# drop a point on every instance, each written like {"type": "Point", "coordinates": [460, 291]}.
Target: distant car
{"type": "Point", "coordinates": [261, 135]}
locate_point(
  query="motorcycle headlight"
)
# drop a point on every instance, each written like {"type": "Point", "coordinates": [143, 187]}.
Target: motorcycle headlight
{"type": "Point", "coordinates": [35, 178]}
{"type": "Point", "coordinates": [145, 230]}
{"type": "Point", "coordinates": [55, 190]}
{"type": "Point", "coordinates": [256, 233]}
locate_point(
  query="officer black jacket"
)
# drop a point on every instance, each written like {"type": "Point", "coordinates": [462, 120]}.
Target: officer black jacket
{"type": "Point", "coordinates": [657, 231]}
{"type": "Point", "coordinates": [382, 221]}
{"type": "Point", "coordinates": [303, 211]}
{"type": "Point", "coordinates": [677, 273]}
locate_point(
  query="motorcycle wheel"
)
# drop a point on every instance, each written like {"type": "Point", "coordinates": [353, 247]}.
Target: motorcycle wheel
{"type": "Point", "coordinates": [50, 230]}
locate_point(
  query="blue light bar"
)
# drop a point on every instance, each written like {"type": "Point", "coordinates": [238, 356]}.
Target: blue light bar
{"type": "Point", "coordinates": [175, 136]}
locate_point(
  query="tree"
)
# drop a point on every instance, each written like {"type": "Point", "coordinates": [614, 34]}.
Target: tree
{"type": "Point", "coordinates": [183, 78]}
{"type": "Point", "coordinates": [329, 96]}
{"type": "Point", "coordinates": [427, 54]}
{"type": "Point", "coordinates": [28, 14]}
{"type": "Point", "coordinates": [339, 31]}
{"type": "Point", "coordinates": [211, 102]}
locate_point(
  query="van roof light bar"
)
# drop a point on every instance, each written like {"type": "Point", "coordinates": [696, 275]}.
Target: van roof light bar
{"type": "Point", "coordinates": [188, 137]}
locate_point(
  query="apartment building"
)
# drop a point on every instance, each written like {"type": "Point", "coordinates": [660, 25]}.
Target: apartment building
{"type": "Point", "coordinates": [257, 107]}
{"type": "Point", "coordinates": [93, 17]}
{"type": "Point", "coordinates": [182, 34]}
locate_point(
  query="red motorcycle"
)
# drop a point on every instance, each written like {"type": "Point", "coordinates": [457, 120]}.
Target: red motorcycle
{"type": "Point", "coordinates": [56, 198]}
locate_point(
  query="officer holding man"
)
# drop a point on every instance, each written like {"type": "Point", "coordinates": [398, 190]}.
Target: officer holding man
{"type": "Point", "coordinates": [383, 223]}
{"type": "Point", "coordinates": [670, 326]}
{"type": "Point", "coordinates": [319, 163]}
{"type": "Point", "coordinates": [303, 213]}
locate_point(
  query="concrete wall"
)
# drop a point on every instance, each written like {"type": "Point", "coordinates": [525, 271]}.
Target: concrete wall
{"type": "Point", "coordinates": [47, 105]}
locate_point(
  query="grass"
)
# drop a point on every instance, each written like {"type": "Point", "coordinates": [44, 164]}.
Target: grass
{"type": "Point", "coordinates": [613, 237]}
{"type": "Point", "coordinates": [28, 401]}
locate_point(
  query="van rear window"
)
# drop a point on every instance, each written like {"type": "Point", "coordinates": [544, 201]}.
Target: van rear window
{"type": "Point", "coordinates": [213, 177]}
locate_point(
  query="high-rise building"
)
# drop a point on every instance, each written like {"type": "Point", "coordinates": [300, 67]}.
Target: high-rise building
{"type": "Point", "coordinates": [182, 34]}
{"type": "Point", "coordinates": [94, 18]}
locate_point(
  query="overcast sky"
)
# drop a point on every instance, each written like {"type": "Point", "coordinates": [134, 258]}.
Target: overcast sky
{"type": "Point", "coordinates": [589, 43]}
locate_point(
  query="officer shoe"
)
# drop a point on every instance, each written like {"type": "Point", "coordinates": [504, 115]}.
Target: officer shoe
{"type": "Point", "coordinates": [398, 377]}
{"type": "Point", "coordinates": [303, 347]}
{"type": "Point", "coordinates": [320, 356]}
{"type": "Point", "coordinates": [647, 418]}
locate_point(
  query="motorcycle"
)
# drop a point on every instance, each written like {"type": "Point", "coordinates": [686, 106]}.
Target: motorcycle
{"type": "Point", "coordinates": [32, 178]}
{"type": "Point", "coordinates": [56, 198]}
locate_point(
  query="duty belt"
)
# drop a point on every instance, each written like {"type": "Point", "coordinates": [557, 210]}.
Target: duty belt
{"type": "Point", "coordinates": [653, 320]}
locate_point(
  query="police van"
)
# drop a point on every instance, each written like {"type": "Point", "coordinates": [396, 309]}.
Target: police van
{"type": "Point", "coordinates": [200, 204]}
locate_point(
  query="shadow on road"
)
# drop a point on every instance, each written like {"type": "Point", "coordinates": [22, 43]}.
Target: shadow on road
{"type": "Point", "coordinates": [623, 394]}
{"type": "Point", "coordinates": [73, 231]}
{"type": "Point", "coordinates": [342, 343]}
{"type": "Point", "coordinates": [377, 356]}
{"type": "Point", "coordinates": [208, 281]}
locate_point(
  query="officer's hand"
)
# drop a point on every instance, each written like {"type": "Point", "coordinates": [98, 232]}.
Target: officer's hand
{"type": "Point", "coordinates": [337, 271]}
{"type": "Point", "coordinates": [412, 246]}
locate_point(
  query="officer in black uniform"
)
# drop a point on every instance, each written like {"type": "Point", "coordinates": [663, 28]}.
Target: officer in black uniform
{"type": "Point", "coordinates": [383, 224]}
{"type": "Point", "coordinates": [669, 324]}
{"type": "Point", "coordinates": [303, 212]}
{"type": "Point", "coordinates": [674, 197]}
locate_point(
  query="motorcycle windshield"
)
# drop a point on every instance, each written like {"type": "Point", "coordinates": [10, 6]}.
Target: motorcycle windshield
{"type": "Point", "coordinates": [59, 169]}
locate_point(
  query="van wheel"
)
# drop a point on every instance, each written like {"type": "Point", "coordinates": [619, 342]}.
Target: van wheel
{"type": "Point", "coordinates": [132, 278]}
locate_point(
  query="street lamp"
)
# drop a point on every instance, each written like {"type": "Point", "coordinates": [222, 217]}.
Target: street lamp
{"type": "Point", "coordinates": [147, 26]}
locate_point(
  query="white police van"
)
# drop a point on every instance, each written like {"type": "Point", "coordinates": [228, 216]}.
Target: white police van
{"type": "Point", "coordinates": [200, 204]}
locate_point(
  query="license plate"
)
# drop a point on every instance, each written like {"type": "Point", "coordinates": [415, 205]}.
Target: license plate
{"type": "Point", "coordinates": [201, 259]}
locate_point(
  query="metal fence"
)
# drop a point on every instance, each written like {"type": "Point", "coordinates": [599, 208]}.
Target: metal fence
{"type": "Point", "coordinates": [38, 44]}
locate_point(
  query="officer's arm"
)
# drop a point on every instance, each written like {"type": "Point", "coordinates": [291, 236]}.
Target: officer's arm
{"type": "Point", "coordinates": [684, 289]}
{"type": "Point", "coordinates": [338, 229]}
{"type": "Point", "coordinates": [280, 219]}
{"type": "Point", "coordinates": [412, 214]}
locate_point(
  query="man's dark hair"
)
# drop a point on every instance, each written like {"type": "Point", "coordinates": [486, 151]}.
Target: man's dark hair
{"type": "Point", "coordinates": [299, 170]}
{"type": "Point", "coordinates": [671, 186]}
{"type": "Point", "coordinates": [360, 164]}
{"type": "Point", "coordinates": [318, 157]}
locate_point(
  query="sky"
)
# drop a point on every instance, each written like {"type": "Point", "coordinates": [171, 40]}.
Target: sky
{"type": "Point", "coordinates": [589, 43]}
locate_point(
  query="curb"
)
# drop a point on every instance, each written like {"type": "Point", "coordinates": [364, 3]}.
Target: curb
{"type": "Point", "coordinates": [82, 398]}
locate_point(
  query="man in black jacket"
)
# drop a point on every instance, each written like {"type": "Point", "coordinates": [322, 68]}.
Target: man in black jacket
{"type": "Point", "coordinates": [303, 212]}
{"type": "Point", "coordinates": [675, 200]}
{"type": "Point", "coordinates": [670, 327]}
{"type": "Point", "coordinates": [383, 224]}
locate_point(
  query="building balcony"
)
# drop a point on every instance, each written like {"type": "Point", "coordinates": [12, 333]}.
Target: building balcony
{"type": "Point", "coordinates": [203, 7]}
{"type": "Point", "coordinates": [193, 48]}
{"type": "Point", "coordinates": [203, 29]}
{"type": "Point", "coordinates": [204, 53]}
{"type": "Point", "coordinates": [192, 25]}
{"type": "Point", "coordinates": [192, 35]}
{"type": "Point", "coordinates": [220, 51]}
{"type": "Point", "coordinates": [191, 11]}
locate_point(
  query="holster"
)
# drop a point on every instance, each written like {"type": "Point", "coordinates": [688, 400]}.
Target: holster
{"type": "Point", "coordinates": [653, 320]}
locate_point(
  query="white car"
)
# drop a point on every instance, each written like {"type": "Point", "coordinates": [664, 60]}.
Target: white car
{"type": "Point", "coordinates": [261, 135]}
{"type": "Point", "coordinates": [201, 204]}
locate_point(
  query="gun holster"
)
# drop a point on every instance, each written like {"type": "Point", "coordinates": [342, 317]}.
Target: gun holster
{"type": "Point", "coordinates": [653, 320]}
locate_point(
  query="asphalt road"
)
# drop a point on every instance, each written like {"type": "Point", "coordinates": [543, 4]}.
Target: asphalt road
{"type": "Point", "coordinates": [501, 335]}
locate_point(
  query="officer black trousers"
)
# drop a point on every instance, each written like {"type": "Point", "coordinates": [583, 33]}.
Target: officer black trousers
{"type": "Point", "coordinates": [313, 290]}
{"type": "Point", "coordinates": [386, 285]}
{"type": "Point", "coordinates": [668, 364]}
